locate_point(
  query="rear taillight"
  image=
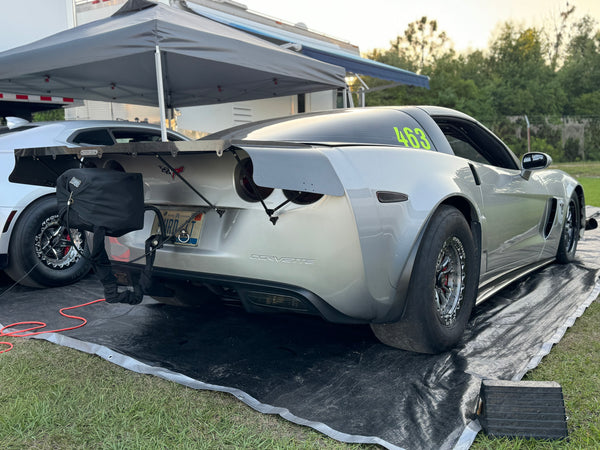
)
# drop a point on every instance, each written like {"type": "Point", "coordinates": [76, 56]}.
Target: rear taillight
{"type": "Point", "coordinates": [245, 186]}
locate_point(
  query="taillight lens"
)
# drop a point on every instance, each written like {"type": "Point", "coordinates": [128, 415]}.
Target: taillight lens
{"type": "Point", "coordinates": [245, 186]}
{"type": "Point", "coordinates": [301, 197]}
{"type": "Point", "coordinates": [11, 216]}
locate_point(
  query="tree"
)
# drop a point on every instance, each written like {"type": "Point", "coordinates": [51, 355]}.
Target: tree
{"type": "Point", "coordinates": [416, 50]}
{"type": "Point", "coordinates": [517, 76]}
{"type": "Point", "coordinates": [580, 74]}
{"type": "Point", "coordinates": [557, 40]}
{"type": "Point", "coordinates": [525, 83]}
{"type": "Point", "coordinates": [587, 104]}
{"type": "Point", "coordinates": [421, 43]}
{"type": "Point", "coordinates": [49, 115]}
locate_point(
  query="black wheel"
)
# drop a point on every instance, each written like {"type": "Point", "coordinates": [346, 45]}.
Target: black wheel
{"type": "Point", "coordinates": [41, 253]}
{"type": "Point", "coordinates": [570, 232]}
{"type": "Point", "coordinates": [442, 289]}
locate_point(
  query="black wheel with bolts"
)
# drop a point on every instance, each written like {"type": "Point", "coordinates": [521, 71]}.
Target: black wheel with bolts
{"type": "Point", "coordinates": [41, 253]}
{"type": "Point", "coordinates": [442, 289]}
{"type": "Point", "coordinates": [570, 232]}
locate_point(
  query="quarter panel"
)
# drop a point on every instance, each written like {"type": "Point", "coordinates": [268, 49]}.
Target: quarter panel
{"type": "Point", "coordinates": [389, 233]}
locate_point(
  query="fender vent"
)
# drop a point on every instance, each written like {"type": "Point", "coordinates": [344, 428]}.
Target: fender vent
{"type": "Point", "coordinates": [551, 217]}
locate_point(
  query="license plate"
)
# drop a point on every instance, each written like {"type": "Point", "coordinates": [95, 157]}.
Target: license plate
{"type": "Point", "coordinates": [174, 220]}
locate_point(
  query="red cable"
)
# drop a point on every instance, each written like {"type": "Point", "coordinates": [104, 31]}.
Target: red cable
{"type": "Point", "coordinates": [39, 325]}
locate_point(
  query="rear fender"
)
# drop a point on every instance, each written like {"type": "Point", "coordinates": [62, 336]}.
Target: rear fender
{"type": "Point", "coordinates": [468, 210]}
{"type": "Point", "coordinates": [390, 233]}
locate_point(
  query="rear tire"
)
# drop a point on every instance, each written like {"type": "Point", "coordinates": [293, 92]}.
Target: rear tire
{"type": "Point", "coordinates": [570, 232]}
{"type": "Point", "coordinates": [442, 289]}
{"type": "Point", "coordinates": [40, 253]}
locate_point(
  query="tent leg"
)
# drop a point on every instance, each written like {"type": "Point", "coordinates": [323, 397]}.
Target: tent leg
{"type": "Point", "coordinates": [161, 94]}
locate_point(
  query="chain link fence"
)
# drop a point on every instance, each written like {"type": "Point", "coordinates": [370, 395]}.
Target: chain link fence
{"type": "Point", "coordinates": [565, 139]}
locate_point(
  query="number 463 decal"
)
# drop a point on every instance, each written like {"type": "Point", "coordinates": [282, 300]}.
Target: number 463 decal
{"type": "Point", "coordinates": [412, 137]}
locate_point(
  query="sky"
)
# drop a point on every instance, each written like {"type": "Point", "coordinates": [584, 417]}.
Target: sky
{"type": "Point", "coordinates": [369, 23]}
{"type": "Point", "coordinates": [374, 23]}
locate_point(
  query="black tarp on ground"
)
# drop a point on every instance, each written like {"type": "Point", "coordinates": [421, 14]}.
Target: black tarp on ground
{"type": "Point", "coordinates": [335, 378]}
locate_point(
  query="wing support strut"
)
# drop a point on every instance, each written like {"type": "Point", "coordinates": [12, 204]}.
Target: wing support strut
{"type": "Point", "coordinates": [255, 191]}
{"type": "Point", "coordinates": [269, 211]}
{"type": "Point", "coordinates": [220, 212]}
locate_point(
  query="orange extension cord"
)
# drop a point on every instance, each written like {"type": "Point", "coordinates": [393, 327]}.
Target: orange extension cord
{"type": "Point", "coordinates": [38, 325]}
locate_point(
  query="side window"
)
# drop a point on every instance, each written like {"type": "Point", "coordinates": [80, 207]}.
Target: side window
{"type": "Point", "coordinates": [474, 142]}
{"type": "Point", "coordinates": [94, 137]}
{"type": "Point", "coordinates": [465, 150]}
{"type": "Point", "coordinates": [126, 136]}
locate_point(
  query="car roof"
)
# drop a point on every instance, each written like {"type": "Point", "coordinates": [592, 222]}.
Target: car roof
{"type": "Point", "coordinates": [369, 126]}
{"type": "Point", "coordinates": [76, 124]}
{"type": "Point", "coordinates": [440, 111]}
{"type": "Point", "coordinates": [46, 133]}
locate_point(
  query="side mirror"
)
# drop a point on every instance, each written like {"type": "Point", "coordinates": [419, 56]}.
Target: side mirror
{"type": "Point", "coordinates": [534, 161]}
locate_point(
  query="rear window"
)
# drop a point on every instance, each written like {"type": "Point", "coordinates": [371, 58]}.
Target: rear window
{"type": "Point", "coordinates": [94, 137]}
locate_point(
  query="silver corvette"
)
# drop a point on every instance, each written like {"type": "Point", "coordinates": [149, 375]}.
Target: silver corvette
{"type": "Point", "coordinates": [399, 217]}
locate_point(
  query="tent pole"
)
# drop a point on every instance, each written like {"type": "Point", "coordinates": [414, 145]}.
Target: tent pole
{"type": "Point", "coordinates": [161, 95]}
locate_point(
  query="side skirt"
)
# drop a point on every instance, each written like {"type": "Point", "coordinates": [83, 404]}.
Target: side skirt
{"type": "Point", "coordinates": [495, 285]}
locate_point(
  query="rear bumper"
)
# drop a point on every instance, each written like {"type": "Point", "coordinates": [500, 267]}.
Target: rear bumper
{"type": "Point", "coordinates": [255, 295]}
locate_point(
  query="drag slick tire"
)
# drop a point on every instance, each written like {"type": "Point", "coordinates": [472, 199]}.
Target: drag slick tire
{"type": "Point", "coordinates": [570, 232]}
{"type": "Point", "coordinates": [41, 253]}
{"type": "Point", "coordinates": [442, 289]}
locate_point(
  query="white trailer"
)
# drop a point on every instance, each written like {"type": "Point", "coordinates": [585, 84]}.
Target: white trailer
{"type": "Point", "coordinates": [22, 22]}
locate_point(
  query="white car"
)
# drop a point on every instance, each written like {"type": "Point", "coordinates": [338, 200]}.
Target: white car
{"type": "Point", "coordinates": [34, 249]}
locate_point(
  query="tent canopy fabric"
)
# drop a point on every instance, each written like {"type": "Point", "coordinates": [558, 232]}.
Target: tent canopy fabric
{"type": "Point", "coordinates": [363, 66]}
{"type": "Point", "coordinates": [320, 50]}
{"type": "Point", "coordinates": [134, 6]}
{"type": "Point", "coordinates": [202, 62]}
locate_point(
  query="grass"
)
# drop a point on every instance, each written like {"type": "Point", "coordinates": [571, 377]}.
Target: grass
{"type": "Point", "coordinates": [591, 188]}
{"type": "Point", "coordinates": [574, 363]}
{"type": "Point", "coordinates": [580, 169]}
{"type": "Point", "coordinates": [588, 174]}
{"type": "Point", "coordinates": [52, 397]}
